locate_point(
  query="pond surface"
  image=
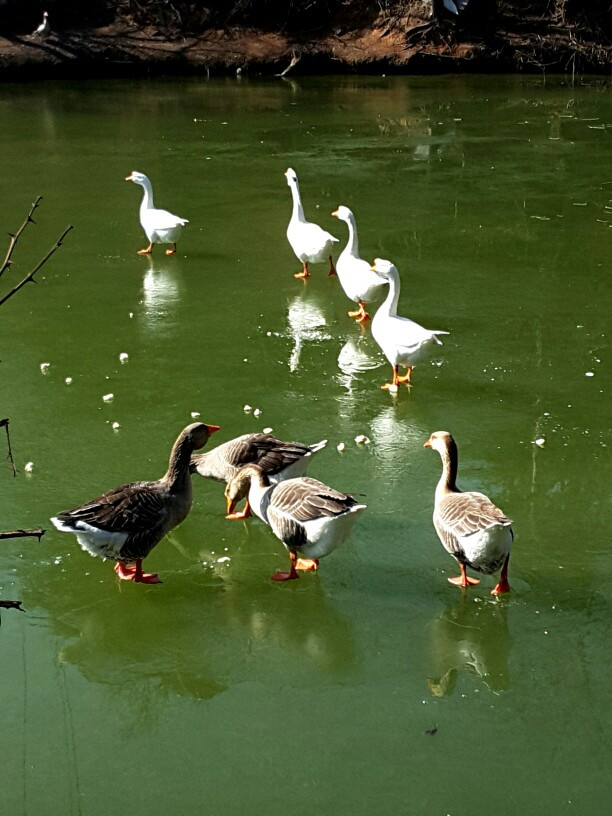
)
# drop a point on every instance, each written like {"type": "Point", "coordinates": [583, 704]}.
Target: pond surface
{"type": "Point", "coordinates": [374, 686]}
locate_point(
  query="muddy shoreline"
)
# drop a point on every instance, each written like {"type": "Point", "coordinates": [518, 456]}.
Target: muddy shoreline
{"type": "Point", "coordinates": [128, 50]}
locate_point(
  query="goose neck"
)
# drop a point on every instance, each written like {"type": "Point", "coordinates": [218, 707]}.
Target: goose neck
{"type": "Point", "coordinates": [352, 246]}
{"type": "Point", "coordinates": [147, 198]}
{"type": "Point", "coordinates": [392, 299]}
{"type": "Point", "coordinates": [450, 462]}
{"type": "Point", "coordinates": [177, 476]}
{"type": "Point", "coordinates": [298, 210]}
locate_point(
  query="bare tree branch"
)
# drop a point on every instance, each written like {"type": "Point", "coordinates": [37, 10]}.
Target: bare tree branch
{"type": "Point", "coordinates": [39, 533]}
{"type": "Point", "coordinates": [30, 277]}
{"type": "Point", "coordinates": [12, 605]}
{"type": "Point", "coordinates": [14, 238]}
{"type": "Point", "coordinates": [4, 423]}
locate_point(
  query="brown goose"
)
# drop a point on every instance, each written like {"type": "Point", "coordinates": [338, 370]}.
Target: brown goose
{"type": "Point", "coordinates": [278, 460]}
{"type": "Point", "coordinates": [127, 522]}
{"type": "Point", "coordinates": [471, 528]}
{"type": "Point", "coordinates": [310, 518]}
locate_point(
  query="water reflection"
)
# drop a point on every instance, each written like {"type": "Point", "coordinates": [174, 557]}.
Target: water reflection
{"type": "Point", "coordinates": [161, 292]}
{"type": "Point", "coordinates": [357, 355]}
{"type": "Point", "coordinates": [196, 639]}
{"type": "Point", "coordinates": [469, 636]}
{"type": "Point", "coordinates": [307, 323]}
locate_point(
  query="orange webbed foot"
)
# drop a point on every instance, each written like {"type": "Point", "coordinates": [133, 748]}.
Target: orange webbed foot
{"type": "Point", "coordinates": [285, 576]}
{"type": "Point", "coordinates": [463, 581]}
{"type": "Point", "coordinates": [307, 564]}
{"type": "Point", "coordinates": [502, 588]}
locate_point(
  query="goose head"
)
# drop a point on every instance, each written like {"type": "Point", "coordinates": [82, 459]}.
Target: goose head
{"type": "Point", "coordinates": [384, 269]}
{"type": "Point", "coordinates": [239, 485]}
{"type": "Point", "coordinates": [440, 441]}
{"type": "Point", "coordinates": [198, 433]}
{"type": "Point", "coordinates": [343, 213]}
{"type": "Point", "coordinates": [291, 177]}
{"type": "Point", "coordinates": [137, 178]}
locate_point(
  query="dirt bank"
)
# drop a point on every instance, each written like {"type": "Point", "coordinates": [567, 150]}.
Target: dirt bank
{"type": "Point", "coordinates": [414, 42]}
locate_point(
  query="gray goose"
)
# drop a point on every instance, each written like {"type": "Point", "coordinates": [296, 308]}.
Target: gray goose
{"type": "Point", "coordinates": [309, 517]}
{"type": "Point", "coordinates": [127, 522]}
{"type": "Point", "coordinates": [471, 528]}
{"type": "Point", "coordinates": [278, 460]}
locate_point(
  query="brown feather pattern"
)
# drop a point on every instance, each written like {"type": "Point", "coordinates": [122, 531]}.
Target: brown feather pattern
{"type": "Point", "coordinates": [272, 455]}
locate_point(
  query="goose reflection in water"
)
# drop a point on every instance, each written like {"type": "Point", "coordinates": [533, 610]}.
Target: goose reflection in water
{"type": "Point", "coordinates": [150, 652]}
{"type": "Point", "coordinates": [306, 324]}
{"type": "Point", "coordinates": [161, 292]}
{"type": "Point", "coordinates": [358, 355]}
{"type": "Point", "coordinates": [471, 637]}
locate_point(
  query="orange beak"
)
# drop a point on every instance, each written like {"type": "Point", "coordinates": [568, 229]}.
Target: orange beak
{"type": "Point", "coordinates": [213, 428]}
{"type": "Point", "coordinates": [335, 212]}
{"type": "Point", "coordinates": [128, 178]}
{"type": "Point", "coordinates": [428, 443]}
{"type": "Point", "coordinates": [230, 505]}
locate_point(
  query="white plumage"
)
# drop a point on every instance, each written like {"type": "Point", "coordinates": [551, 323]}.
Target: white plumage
{"type": "Point", "coordinates": [309, 241]}
{"type": "Point", "coordinates": [359, 281]}
{"type": "Point", "coordinates": [160, 226]}
{"type": "Point", "coordinates": [402, 341]}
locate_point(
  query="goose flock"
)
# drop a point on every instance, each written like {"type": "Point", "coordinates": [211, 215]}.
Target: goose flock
{"type": "Point", "coordinates": [310, 518]}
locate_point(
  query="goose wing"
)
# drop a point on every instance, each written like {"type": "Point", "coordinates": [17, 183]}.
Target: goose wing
{"type": "Point", "coordinates": [162, 219]}
{"type": "Point", "coordinates": [130, 508]}
{"type": "Point", "coordinates": [462, 514]}
{"type": "Point", "coordinates": [306, 499]}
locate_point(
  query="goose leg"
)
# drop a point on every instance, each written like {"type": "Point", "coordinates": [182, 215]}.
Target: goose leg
{"type": "Point", "coordinates": [304, 273]}
{"type": "Point", "coordinates": [171, 251]}
{"type": "Point", "coordinates": [307, 564]}
{"type": "Point", "coordinates": [464, 579]}
{"type": "Point", "coordinates": [503, 586]}
{"type": "Point", "coordinates": [287, 576]}
{"type": "Point", "coordinates": [146, 251]}
{"type": "Point", "coordinates": [360, 314]}
{"type": "Point", "coordinates": [245, 513]}
{"type": "Point", "coordinates": [407, 378]}
{"type": "Point", "coordinates": [141, 577]}
{"type": "Point", "coordinates": [332, 268]}
{"type": "Point", "coordinates": [135, 573]}
{"type": "Point", "coordinates": [394, 381]}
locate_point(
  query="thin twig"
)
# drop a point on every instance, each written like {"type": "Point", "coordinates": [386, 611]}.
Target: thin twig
{"type": "Point", "coordinates": [14, 238]}
{"type": "Point", "coordinates": [4, 423]}
{"type": "Point", "coordinates": [12, 605]}
{"type": "Point", "coordinates": [39, 533]}
{"type": "Point", "coordinates": [295, 58]}
{"type": "Point", "coordinates": [30, 278]}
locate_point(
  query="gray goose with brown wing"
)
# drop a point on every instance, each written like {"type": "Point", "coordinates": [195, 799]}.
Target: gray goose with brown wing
{"type": "Point", "coordinates": [309, 517]}
{"type": "Point", "coordinates": [278, 460]}
{"type": "Point", "coordinates": [127, 522]}
{"type": "Point", "coordinates": [471, 528]}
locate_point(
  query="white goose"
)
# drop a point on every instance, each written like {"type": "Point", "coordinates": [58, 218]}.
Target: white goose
{"type": "Point", "coordinates": [44, 28]}
{"type": "Point", "coordinates": [356, 277]}
{"type": "Point", "coordinates": [403, 341]}
{"type": "Point", "coordinates": [471, 528]}
{"type": "Point", "coordinates": [160, 226]}
{"type": "Point", "coordinates": [310, 518]}
{"type": "Point", "coordinates": [309, 241]}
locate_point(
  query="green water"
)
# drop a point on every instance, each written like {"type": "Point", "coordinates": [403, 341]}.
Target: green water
{"type": "Point", "coordinates": [221, 692]}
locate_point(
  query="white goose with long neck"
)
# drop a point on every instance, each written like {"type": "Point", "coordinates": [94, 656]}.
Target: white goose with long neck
{"type": "Point", "coordinates": [356, 277]}
{"type": "Point", "coordinates": [160, 226]}
{"type": "Point", "coordinates": [309, 241]}
{"type": "Point", "coordinates": [402, 341]}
